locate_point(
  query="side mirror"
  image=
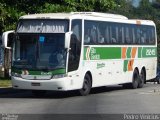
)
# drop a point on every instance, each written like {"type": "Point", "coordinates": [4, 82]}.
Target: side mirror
{"type": "Point", "coordinates": [67, 39]}
{"type": "Point", "coordinates": [7, 39]}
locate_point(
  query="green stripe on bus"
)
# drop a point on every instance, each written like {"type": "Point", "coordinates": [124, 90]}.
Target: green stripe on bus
{"type": "Point", "coordinates": [129, 52]}
{"type": "Point", "coordinates": [149, 52]}
{"type": "Point", "coordinates": [125, 67]}
{"type": "Point", "coordinates": [97, 53]}
{"type": "Point", "coordinates": [139, 52]}
{"type": "Point", "coordinates": [84, 53]}
{"type": "Point", "coordinates": [146, 52]}
{"type": "Point", "coordinates": [35, 72]}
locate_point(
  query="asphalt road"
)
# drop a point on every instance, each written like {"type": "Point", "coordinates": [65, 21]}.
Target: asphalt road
{"type": "Point", "coordinates": [109, 100]}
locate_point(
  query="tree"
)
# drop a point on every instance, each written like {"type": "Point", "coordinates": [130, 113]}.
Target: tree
{"type": "Point", "coordinates": [79, 5]}
{"type": "Point", "coordinates": [10, 11]}
{"type": "Point", "coordinates": [123, 7]}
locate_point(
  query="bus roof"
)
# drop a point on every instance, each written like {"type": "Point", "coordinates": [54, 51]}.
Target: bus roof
{"type": "Point", "coordinates": [46, 16]}
{"type": "Point", "coordinates": [98, 14]}
{"type": "Point", "coordinates": [88, 15]}
{"type": "Point", "coordinates": [72, 14]}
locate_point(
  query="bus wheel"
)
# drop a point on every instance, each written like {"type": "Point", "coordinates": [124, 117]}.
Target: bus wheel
{"type": "Point", "coordinates": [38, 93]}
{"type": "Point", "coordinates": [141, 79]}
{"type": "Point", "coordinates": [135, 79]}
{"type": "Point", "coordinates": [87, 84]}
{"type": "Point", "coordinates": [157, 79]}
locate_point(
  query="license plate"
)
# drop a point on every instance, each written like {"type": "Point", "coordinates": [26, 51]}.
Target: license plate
{"type": "Point", "coordinates": [35, 84]}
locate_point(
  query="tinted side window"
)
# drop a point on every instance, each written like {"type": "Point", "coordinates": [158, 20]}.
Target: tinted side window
{"type": "Point", "coordinates": [147, 35]}
{"type": "Point", "coordinates": [114, 32]}
{"type": "Point", "coordinates": [152, 36]}
{"type": "Point", "coordinates": [75, 45]}
{"type": "Point", "coordinates": [90, 32]}
{"type": "Point", "coordinates": [101, 32]}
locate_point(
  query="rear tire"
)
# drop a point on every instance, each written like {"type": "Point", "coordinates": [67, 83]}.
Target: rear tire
{"type": "Point", "coordinates": [87, 84]}
{"type": "Point", "coordinates": [142, 79]}
{"type": "Point", "coordinates": [158, 80]}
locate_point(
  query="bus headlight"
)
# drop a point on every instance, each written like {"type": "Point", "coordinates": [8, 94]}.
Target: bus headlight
{"type": "Point", "coordinates": [58, 76]}
{"type": "Point", "coordinates": [16, 74]}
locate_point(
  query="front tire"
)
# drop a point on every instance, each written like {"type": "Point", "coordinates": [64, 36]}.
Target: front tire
{"type": "Point", "coordinates": [135, 79]}
{"type": "Point", "coordinates": [87, 84]}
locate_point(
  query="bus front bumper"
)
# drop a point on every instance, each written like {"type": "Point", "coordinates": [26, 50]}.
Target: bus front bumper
{"type": "Point", "coordinates": [60, 84]}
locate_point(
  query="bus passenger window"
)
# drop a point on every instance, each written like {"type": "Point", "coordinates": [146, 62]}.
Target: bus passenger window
{"type": "Point", "coordinates": [134, 36]}
{"type": "Point", "coordinates": [138, 36]}
{"type": "Point", "coordinates": [147, 35]}
{"type": "Point", "coordinates": [107, 35]}
{"type": "Point", "coordinates": [87, 37]}
{"type": "Point", "coordinates": [143, 39]}
{"type": "Point", "coordinates": [127, 36]}
{"type": "Point", "coordinates": [101, 39]}
{"type": "Point", "coordinates": [113, 40]}
{"type": "Point", "coordinates": [93, 35]}
{"type": "Point", "coordinates": [101, 32]}
{"type": "Point", "coordinates": [113, 32]}
{"type": "Point", "coordinates": [152, 36]}
{"type": "Point", "coordinates": [120, 37]}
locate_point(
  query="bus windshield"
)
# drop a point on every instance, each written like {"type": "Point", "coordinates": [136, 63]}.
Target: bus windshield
{"type": "Point", "coordinates": [42, 26]}
{"type": "Point", "coordinates": [39, 51]}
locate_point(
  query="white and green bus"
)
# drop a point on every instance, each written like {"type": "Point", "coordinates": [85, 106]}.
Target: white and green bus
{"type": "Point", "coordinates": [82, 50]}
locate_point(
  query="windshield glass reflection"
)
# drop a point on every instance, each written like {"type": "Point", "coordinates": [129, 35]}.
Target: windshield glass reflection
{"type": "Point", "coordinates": [39, 51]}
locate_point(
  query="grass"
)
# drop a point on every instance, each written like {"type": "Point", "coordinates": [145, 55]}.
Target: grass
{"type": "Point", "coordinates": [5, 82]}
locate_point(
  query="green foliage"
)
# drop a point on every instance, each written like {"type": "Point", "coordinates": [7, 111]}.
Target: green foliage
{"type": "Point", "coordinates": [8, 17]}
{"type": "Point", "coordinates": [10, 11]}
{"type": "Point", "coordinates": [51, 8]}
{"type": "Point", "coordinates": [124, 8]}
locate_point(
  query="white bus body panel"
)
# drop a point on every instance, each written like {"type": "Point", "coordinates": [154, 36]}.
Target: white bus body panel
{"type": "Point", "coordinates": [71, 82]}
